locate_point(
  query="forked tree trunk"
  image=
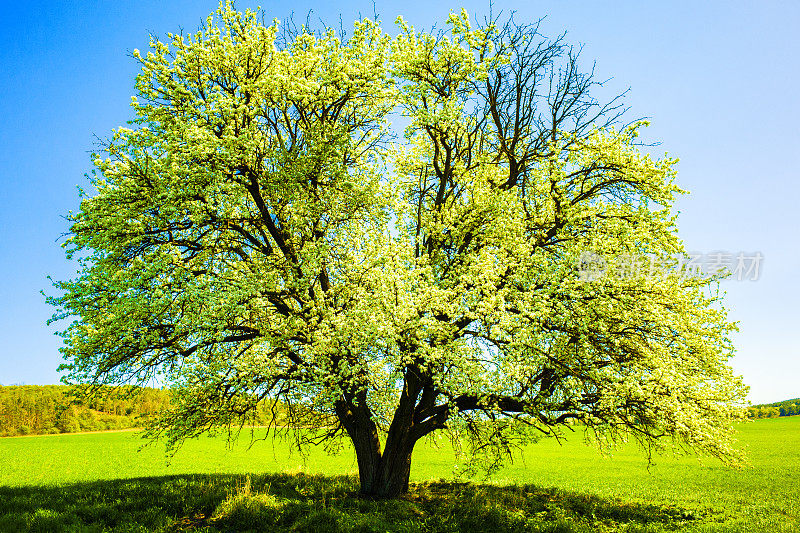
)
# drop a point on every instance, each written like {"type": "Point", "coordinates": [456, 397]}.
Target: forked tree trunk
{"type": "Point", "coordinates": [385, 475]}
{"type": "Point", "coordinates": [382, 474]}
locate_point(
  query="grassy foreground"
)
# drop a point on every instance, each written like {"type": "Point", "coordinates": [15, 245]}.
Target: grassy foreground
{"type": "Point", "coordinates": [98, 482]}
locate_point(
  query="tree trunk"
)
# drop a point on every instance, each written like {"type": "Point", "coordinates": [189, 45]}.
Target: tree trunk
{"type": "Point", "coordinates": [368, 456]}
{"type": "Point", "coordinates": [385, 475]}
{"type": "Point", "coordinates": [396, 470]}
{"type": "Point", "coordinates": [382, 475]}
{"type": "Point", "coordinates": [364, 435]}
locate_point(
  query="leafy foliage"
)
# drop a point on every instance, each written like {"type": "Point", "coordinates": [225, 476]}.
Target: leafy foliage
{"type": "Point", "coordinates": [256, 235]}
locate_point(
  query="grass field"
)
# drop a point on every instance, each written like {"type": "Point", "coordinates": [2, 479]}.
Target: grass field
{"type": "Point", "coordinates": [97, 482]}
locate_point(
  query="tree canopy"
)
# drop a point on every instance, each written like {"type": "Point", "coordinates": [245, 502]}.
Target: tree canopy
{"type": "Point", "coordinates": [259, 232]}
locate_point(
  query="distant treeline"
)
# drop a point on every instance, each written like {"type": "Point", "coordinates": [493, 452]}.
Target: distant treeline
{"type": "Point", "coordinates": [43, 409]}
{"type": "Point", "coordinates": [52, 409]}
{"type": "Point", "coordinates": [773, 410]}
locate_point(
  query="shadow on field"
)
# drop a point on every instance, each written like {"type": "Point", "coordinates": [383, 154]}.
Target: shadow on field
{"type": "Point", "coordinates": [298, 502]}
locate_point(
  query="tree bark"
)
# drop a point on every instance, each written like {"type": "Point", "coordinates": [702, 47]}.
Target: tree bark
{"type": "Point", "coordinates": [368, 457]}
{"type": "Point", "coordinates": [385, 475]}
{"type": "Point", "coordinates": [363, 433]}
{"type": "Point", "coordinates": [381, 474]}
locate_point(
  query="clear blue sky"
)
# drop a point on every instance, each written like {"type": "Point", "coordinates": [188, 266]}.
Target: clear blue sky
{"type": "Point", "coordinates": [718, 79]}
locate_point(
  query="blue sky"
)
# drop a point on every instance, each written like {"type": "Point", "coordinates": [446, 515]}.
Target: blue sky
{"type": "Point", "coordinates": [717, 79]}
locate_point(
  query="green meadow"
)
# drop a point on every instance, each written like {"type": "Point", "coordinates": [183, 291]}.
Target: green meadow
{"type": "Point", "coordinates": [106, 482]}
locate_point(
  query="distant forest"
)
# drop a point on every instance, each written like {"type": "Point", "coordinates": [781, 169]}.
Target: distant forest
{"type": "Point", "coordinates": [52, 409]}
{"type": "Point", "coordinates": [49, 409]}
{"type": "Point", "coordinates": [773, 410]}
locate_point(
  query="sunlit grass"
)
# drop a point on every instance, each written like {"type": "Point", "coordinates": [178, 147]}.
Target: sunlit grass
{"type": "Point", "coordinates": [101, 481]}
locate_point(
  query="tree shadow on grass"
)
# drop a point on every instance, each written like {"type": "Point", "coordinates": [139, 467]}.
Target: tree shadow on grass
{"type": "Point", "coordinates": [298, 502]}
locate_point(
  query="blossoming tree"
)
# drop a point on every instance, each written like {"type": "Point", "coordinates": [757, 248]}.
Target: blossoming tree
{"type": "Point", "coordinates": [258, 235]}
